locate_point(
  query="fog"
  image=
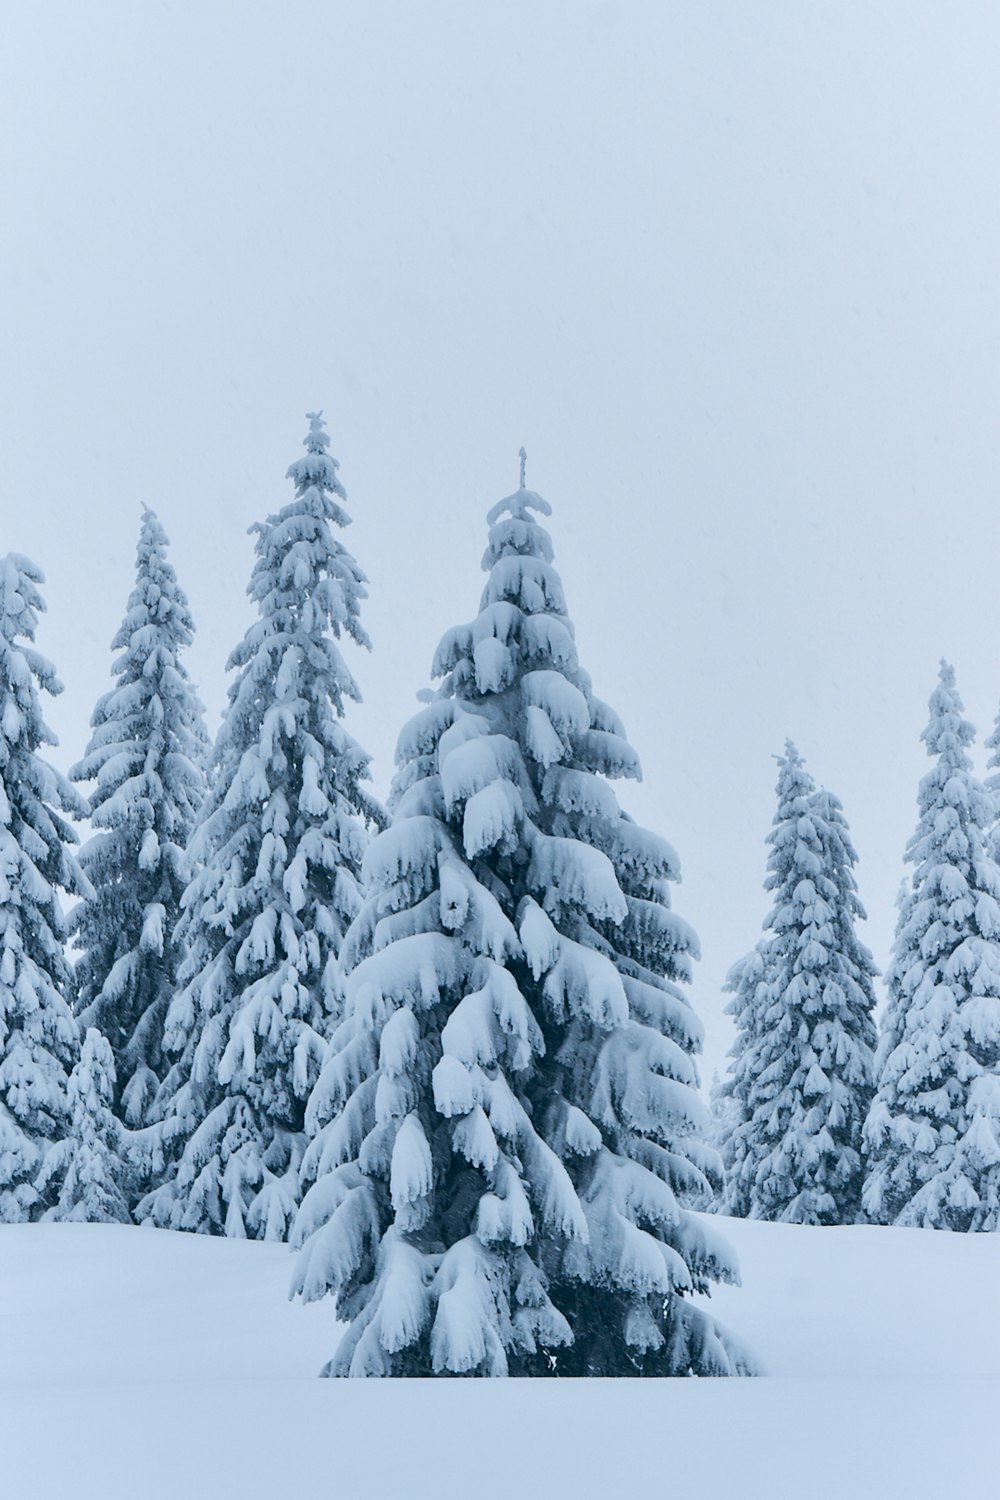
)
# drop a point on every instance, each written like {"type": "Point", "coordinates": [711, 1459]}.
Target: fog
{"type": "Point", "coordinates": [728, 272]}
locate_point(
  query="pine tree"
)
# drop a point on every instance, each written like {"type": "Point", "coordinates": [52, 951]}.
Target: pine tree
{"type": "Point", "coordinates": [278, 851]}
{"type": "Point", "coordinates": [39, 1037]}
{"type": "Point", "coordinates": [147, 755]}
{"type": "Point", "coordinates": [88, 1166]}
{"type": "Point", "coordinates": [992, 784]}
{"type": "Point", "coordinates": [722, 1119]}
{"type": "Point", "coordinates": [507, 1126]}
{"type": "Point", "coordinates": [933, 1133]}
{"type": "Point", "coordinates": [800, 1083]}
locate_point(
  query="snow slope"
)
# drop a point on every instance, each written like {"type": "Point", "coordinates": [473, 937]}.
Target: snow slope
{"type": "Point", "coordinates": [140, 1362]}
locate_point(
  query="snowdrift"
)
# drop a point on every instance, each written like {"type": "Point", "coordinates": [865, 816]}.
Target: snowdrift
{"type": "Point", "coordinates": [145, 1363]}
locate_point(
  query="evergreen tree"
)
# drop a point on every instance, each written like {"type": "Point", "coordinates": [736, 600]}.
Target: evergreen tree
{"type": "Point", "coordinates": [992, 785]}
{"type": "Point", "coordinates": [39, 1037]}
{"type": "Point", "coordinates": [88, 1165]}
{"type": "Point", "coordinates": [147, 755]}
{"type": "Point", "coordinates": [507, 1126]}
{"type": "Point", "coordinates": [722, 1119]}
{"type": "Point", "coordinates": [801, 1080]}
{"type": "Point", "coordinates": [278, 853]}
{"type": "Point", "coordinates": [933, 1133]}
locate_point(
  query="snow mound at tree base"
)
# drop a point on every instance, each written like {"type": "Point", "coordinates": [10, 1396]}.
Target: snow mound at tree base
{"type": "Point", "coordinates": [141, 1362]}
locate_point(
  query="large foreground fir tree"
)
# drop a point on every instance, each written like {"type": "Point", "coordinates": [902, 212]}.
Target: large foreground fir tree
{"type": "Point", "coordinates": [278, 854]}
{"type": "Point", "coordinates": [800, 1082]}
{"type": "Point", "coordinates": [39, 1038]}
{"type": "Point", "coordinates": [508, 1128]}
{"type": "Point", "coordinates": [147, 755]}
{"type": "Point", "coordinates": [933, 1134]}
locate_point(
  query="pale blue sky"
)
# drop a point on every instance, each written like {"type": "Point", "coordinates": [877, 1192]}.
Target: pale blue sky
{"type": "Point", "coordinates": [728, 271]}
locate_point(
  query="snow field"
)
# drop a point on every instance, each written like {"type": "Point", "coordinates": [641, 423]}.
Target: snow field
{"type": "Point", "coordinates": [155, 1364]}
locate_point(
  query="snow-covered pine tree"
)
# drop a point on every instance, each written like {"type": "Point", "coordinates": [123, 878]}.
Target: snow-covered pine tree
{"type": "Point", "coordinates": [507, 1126]}
{"type": "Point", "coordinates": [278, 851]}
{"type": "Point", "coordinates": [88, 1165]}
{"type": "Point", "coordinates": [147, 755]}
{"type": "Point", "coordinates": [39, 1038]}
{"type": "Point", "coordinates": [722, 1117]}
{"type": "Point", "coordinates": [933, 1132]}
{"type": "Point", "coordinates": [992, 784]}
{"type": "Point", "coordinates": [800, 1083]}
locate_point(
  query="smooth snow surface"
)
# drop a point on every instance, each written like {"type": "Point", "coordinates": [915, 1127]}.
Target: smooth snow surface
{"type": "Point", "coordinates": [147, 1363]}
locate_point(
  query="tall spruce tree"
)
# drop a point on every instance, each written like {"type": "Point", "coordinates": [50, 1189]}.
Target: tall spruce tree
{"type": "Point", "coordinates": [278, 853]}
{"type": "Point", "coordinates": [147, 755]}
{"type": "Point", "coordinates": [933, 1133]}
{"type": "Point", "coordinates": [507, 1129]}
{"type": "Point", "coordinates": [800, 1083]}
{"type": "Point", "coordinates": [39, 1038]}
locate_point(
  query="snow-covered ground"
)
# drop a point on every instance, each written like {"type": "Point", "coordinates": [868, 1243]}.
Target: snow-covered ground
{"type": "Point", "coordinates": [138, 1362]}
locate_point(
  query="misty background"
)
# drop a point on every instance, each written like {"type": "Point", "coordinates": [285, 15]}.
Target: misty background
{"type": "Point", "coordinates": [728, 271]}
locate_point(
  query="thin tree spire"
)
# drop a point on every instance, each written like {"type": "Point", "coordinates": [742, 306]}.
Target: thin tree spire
{"type": "Point", "coordinates": [146, 758]}
{"type": "Point", "coordinates": [933, 1133]}
{"type": "Point", "coordinates": [279, 849]}
{"type": "Point", "coordinates": [800, 1081]}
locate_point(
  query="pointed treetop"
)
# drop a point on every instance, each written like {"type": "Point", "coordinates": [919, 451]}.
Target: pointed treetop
{"type": "Point", "coordinates": [947, 732]}
{"type": "Point", "coordinates": [317, 439]}
{"type": "Point", "coordinates": [794, 779]}
{"type": "Point", "coordinates": [151, 532]}
{"type": "Point", "coordinates": [317, 469]}
{"type": "Point", "coordinates": [945, 695]}
{"type": "Point", "coordinates": [520, 503]}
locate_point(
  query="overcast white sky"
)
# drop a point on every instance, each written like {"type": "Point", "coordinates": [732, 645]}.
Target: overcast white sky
{"type": "Point", "coordinates": [728, 271]}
